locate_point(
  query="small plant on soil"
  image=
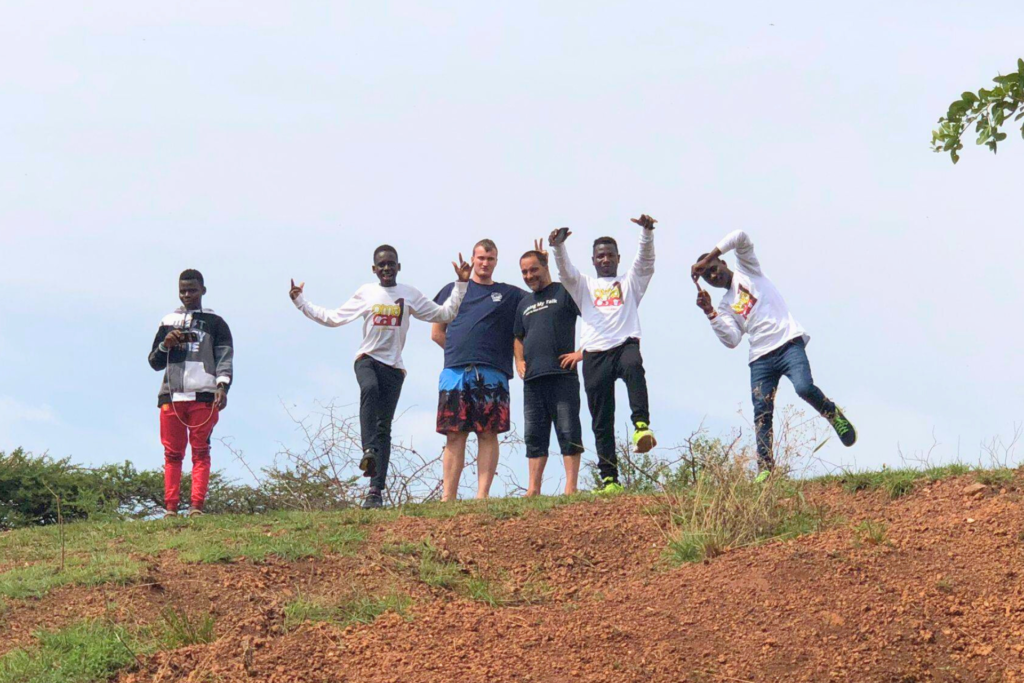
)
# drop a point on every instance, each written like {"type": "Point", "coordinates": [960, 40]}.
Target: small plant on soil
{"type": "Point", "coordinates": [361, 609]}
{"type": "Point", "coordinates": [871, 532]}
{"type": "Point", "coordinates": [179, 628]}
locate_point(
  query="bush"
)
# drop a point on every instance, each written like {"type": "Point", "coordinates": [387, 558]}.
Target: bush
{"type": "Point", "coordinates": [31, 484]}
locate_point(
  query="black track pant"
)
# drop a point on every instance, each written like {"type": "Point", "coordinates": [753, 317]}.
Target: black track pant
{"type": "Point", "coordinates": [600, 370]}
{"type": "Point", "coordinates": [380, 386]}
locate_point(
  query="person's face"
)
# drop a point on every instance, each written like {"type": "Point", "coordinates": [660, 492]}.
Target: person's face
{"type": "Point", "coordinates": [535, 275]}
{"type": "Point", "coordinates": [386, 267]}
{"type": "Point", "coordinates": [717, 274]}
{"type": "Point", "coordinates": [606, 260]}
{"type": "Point", "coordinates": [484, 262]}
{"type": "Point", "coordinates": [191, 293]}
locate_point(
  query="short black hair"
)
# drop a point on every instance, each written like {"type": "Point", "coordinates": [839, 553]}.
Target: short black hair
{"type": "Point", "coordinates": [192, 274]}
{"type": "Point", "coordinates": [606, 240]}
{"type": "Point", "coordinates": [541, 258]}
{"type": "Point", "coordinates": [385, 247]}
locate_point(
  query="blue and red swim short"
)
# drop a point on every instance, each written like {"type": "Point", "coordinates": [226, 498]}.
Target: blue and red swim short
{"type": "Point", "coordinates": [473, 398]}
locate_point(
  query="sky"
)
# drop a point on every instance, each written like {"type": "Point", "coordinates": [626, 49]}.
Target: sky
{"type": "Point", "coordinates": [261, 141]}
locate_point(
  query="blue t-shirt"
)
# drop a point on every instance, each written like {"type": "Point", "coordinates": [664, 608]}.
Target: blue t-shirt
{"type": "Point", "coordinates": [481, 333]}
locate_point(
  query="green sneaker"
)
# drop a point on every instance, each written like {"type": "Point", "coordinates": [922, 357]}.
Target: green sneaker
{"type": "Point", "coordinates": [762, 476]}
{"type": "Point", "coordinates": [847, 434]}
{"type": "Point", "coordinates": [610, 487]}
{"type": "Point", "coordinates": [643, 438]}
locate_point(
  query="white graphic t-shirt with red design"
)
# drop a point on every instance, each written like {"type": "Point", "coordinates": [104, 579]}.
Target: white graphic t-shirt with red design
{"type": "Point", "coordinates": [608, 305]}
{"type": "Point", "coordinates": [753, 305]}
{"type": "Point", "coordinates": [385, 312]}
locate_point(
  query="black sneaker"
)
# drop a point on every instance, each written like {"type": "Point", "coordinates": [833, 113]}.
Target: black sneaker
{"type": "Point", "coordinates": [847, 434]}
{"type": "Point", "coordinates": [373, 500]}
{"type": "Point", "coordinates": [369, 463]}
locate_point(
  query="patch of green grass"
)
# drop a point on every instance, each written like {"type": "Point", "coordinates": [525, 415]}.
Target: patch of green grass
{"type": "Point", "coordinates": [996, 478]}
{"type": "Point", "coordinates": [402, 548]}
{"type": "Point", "coordinates": [362, 609]}
{"type": "Point", "coordinates": [438, 573]}
{"type": "Point", "coordinates": [726, 509]}
{"type": "Point", "coordinates": [86, 652]}
{"type": "Point", "coordinates": [872, 532]}
{"type": "Point", "coordinates": [178, 628]}
{"type": "Point", "coordinates": [36, 580]}
{"type": "Point", "coordinates": [956, 469]}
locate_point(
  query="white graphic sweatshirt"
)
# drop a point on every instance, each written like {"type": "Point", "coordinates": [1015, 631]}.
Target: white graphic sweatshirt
{"type": "Point", "coordinates": [753, 305]}
{"type": "Point", "coordinates": [385, 312]}
{"type": "Point", "coordinates": [609, 306]}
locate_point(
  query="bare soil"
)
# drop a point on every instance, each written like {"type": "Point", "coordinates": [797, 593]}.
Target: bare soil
{"type": "Point", "coordinates": [584, 593]}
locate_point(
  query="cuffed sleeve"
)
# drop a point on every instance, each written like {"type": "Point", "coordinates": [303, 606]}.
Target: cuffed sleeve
{"type": "Point", "coordinates": [426, 310]}
{"type": "Point", "coordinates": [642, 270]}
{"type": "Point", "coordinates": [350, 311]}
{"type": "Point", "coordinates": [567, 273]}
{"type": "Point", "coordinates": [725, 326]}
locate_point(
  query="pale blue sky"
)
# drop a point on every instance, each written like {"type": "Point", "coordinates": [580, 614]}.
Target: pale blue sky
{"type": "Point", "coordinates": [261, 141]}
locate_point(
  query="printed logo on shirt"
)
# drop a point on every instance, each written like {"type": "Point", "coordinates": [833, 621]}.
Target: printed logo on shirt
{"type": "Point", "coordinates": [611, 296]}
{"type": "Point", "coordinates": [539, 306]}
{"type": "Point", "coordinates": [388, 315]}
{"type": "Point", "coordinates": [496, 297]}
{"type": "Point", "coordinates": [745, 302]}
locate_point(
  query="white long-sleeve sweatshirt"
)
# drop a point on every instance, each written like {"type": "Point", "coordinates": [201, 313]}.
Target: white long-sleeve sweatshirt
{"type": "Point", "coordinates": [609, 306]}
{"type": "Point", "coordinates": [385, 312]}
{"type": "Point", "coordinates": [753, 305]}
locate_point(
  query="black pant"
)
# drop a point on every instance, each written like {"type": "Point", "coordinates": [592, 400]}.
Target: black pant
{"type": "Point", "coordinates": [380, 386]}
{"type": "Point", "coordinates": [600, 370]}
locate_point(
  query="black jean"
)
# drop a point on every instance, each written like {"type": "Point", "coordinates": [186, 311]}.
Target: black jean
{"type": "Point", "coordinates": [600, 370]}
{"type": "Point", "coordinates": [380, 386]}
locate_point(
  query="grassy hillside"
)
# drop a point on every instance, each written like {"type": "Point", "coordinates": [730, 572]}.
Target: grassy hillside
{"type": "Point", "coordinates": [899, 575]}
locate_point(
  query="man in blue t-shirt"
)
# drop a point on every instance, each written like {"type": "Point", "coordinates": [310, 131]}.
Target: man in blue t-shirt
{"type": "Point", "coordinates": [473, 388]}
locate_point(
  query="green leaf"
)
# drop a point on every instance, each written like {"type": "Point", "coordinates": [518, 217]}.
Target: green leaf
{"type": "Point", "coordinates": [1020, 65]}
{"type": "Point", "coordinates": [954, 156]}
{"type": "Point", "coordinates": [999, 137]}
{"type": "Point", "coordinates": [969, 97]}
{"type": "Point", "coordinates": [992, 146]}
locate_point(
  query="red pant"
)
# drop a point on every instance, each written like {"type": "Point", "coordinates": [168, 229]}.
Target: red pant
{"type": "Point", "coordinates": [183, 423]}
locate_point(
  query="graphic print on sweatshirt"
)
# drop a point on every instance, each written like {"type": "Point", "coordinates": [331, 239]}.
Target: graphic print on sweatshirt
{"type": "Point", "coordinates": [609, 297]}
{"type": "Point", "coordinates": [745, 302]}
{"type": "Point", "coordinates": [388, 315]}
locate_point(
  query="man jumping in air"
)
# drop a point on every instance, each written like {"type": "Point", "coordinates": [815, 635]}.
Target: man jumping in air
{"type": "Point", "coordinates": [385, 307]}
{"type": "Point", "coordinates": [473, 387]}
{"type": "Point", "coordinates": [546, 361]}
{"type": "Point", "coordinates": [611, 339]}
{"type": "Point", "coordinates": [193, 348]}
{"type": "Point", "coordinates": [753, 305]}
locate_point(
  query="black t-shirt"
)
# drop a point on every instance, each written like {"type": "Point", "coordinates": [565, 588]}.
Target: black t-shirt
{"type": "Point", "coordinates": [481, 333]}
{"type": "Point", "coordinates": [546, 322]}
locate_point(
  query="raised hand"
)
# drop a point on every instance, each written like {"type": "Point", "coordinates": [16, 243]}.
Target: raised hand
{"type": "Point", "coordinates": [296, 290]}
{"type": "Point", "coordinates": [704, 302]}
{"type": "Point", "coordinates": [462, 269]}
{"type": "Point", "coordinates": [645, 221]}
{"type": "Point", "coordinates": [568, 361]}
{"type": "Point", "coordinates": [698, 268]}
{"type": "Point", "coordinates": [558, 236]}
{"type": "Point", "coordinates": [538, 246]}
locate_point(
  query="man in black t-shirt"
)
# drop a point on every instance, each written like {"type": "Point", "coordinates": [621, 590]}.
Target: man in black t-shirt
{"type": "Point", "coordinates": [546, 360]}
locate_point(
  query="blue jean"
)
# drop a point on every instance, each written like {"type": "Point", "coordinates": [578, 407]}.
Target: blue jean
{"type": "Point", "coordinates": [790, 360]}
